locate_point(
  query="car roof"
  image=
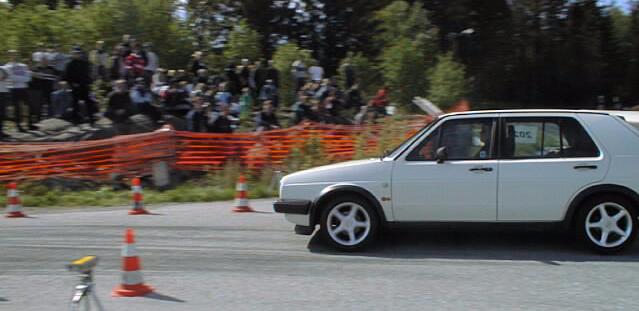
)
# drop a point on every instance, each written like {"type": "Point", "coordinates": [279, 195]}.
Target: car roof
{"type": "Point", "coordinates": [530, 111]}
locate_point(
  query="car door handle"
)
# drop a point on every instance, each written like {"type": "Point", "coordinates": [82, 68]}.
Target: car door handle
{"type": "Point", "coordinates": [478, 169]}
{"type": "Point", "coordinates": [586, 167]}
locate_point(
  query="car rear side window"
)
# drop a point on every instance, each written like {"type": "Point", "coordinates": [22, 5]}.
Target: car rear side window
{"type": "Point", "coordinates": [526, 138]}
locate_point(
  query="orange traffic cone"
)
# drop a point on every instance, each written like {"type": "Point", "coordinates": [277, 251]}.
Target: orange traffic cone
{"type": "Point", "coordinates": [138, 205]}
{"type": "Point", "coordinates": [132, 283]}
{"type": "Point", "coordinates": [241, 197]}
{"type": "Point", "coordinates": [14, 206]}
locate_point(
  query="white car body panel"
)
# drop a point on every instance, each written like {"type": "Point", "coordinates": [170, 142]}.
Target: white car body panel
{"type": "Point", "coordinates": [539, 190]}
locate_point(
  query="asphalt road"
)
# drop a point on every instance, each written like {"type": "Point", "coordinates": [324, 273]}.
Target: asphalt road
{"type": "Point", "coordinates": [203, 257]}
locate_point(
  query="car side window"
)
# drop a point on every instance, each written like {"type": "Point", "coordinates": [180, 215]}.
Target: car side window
{"type": "Point", "coordinates": [464, 139]}
{"type": "Point", "coordinates": [526, 138]}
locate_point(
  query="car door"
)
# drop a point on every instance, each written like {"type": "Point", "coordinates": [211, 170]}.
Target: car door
{"type": "Point", "coordinates": [545, 160]}
{"type": "Point", "coordinates": [462, 188]}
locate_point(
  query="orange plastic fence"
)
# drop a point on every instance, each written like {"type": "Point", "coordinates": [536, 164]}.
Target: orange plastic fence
{"type": "Point", "coordinates": [132, 155]}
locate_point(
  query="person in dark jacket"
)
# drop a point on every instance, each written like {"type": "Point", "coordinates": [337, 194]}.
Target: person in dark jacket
{"type": "Point", "coordinates": [266, 119]}
{"type": "Point", "coordinates": [43, 78]}
{"type": "Point", "coordinates": [119, 106]}
{"type": "Point", "coordinates": [221, 123]}
{"type": "Point", "coordinates": [196, 117]}
{"type": "Point", "coordinates": [197, 63]}
{"type": "Point", "coordinates": [78, 74]}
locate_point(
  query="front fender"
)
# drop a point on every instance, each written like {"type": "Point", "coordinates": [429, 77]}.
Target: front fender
{"type": "Point", "coordinates": [333, 191]}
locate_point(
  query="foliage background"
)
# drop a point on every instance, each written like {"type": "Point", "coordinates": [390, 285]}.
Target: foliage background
{"type": "Point", "coordinates": [515, 53]}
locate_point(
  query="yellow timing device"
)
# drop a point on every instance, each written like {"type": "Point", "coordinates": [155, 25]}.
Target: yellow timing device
{"type": "Point", "coordinates": [84, 264]}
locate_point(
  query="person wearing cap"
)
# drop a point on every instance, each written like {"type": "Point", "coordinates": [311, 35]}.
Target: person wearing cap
{"type": "Point", "coordinates": [4, 99]}
{"type": "Point", "coordinates": [19, 77]}
{"type": "Point", "coordinates": [99, 59]}
{"type": "Point", "coordinates": [78, 74]}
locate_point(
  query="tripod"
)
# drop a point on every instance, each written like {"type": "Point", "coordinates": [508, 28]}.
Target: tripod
{"type": "Point", "coordinates": [86, 289]}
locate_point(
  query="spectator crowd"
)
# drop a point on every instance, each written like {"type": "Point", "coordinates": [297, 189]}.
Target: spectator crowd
{"type": "Point", "coordinates": [54, 84]}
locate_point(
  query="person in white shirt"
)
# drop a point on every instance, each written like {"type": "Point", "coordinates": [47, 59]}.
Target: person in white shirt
{"type": "Point", "coordinates": [4, 99]}
{"type": "Point", "coordinates": [152, 62]}
{"type": "Point", "coordinates": [39, 54]}
{"type": "Point", "coordinates": [57, 59]}
{"type": "Point", "coordinates": [316, 72]}
{"type": "Point", "coordinates": [19, 77]}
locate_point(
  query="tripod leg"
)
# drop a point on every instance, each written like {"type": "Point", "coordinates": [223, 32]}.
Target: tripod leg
{"type": "Point", "coordinates": [95, 298]}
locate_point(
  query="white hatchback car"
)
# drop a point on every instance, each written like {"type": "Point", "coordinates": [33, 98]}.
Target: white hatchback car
{"type": "Point", "coordinates": [578, 168]}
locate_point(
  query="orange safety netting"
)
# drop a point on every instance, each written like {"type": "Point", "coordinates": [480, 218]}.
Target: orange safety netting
{"type": "Point", "coordinates": [132, 155]}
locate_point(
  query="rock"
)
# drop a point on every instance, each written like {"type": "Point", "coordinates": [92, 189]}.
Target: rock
{"type": "Point", "coordinates": [53, 125]}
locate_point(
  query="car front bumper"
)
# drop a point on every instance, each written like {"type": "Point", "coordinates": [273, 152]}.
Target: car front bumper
{"type": "Point", "coordinates": [297, 207]}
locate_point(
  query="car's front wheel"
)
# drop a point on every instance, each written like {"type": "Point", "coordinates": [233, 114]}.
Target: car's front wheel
{"type": "Point", "coordinates": [349, 223]}
{"type": "Point", "coordinates": [607, 224]}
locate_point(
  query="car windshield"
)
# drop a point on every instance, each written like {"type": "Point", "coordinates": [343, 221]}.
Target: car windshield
{"type": "Point", "coordinates": [395, 152]}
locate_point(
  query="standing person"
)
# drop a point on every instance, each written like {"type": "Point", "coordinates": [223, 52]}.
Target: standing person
{"type": "Point", "coordinates": [354, 98]}
{"type": "Point", "coordinates": [19, 76]}
{"type": "Point", "coordinates": [245, 73]}
{"type": "Point", "coordinates": [259, 76]}
{"type": "Point", "coordinates": [57, 59]}
{"type": "Point", "coordinates": [349, 73]}
{"type": "Point", "coordinates": [4, 99]}
{"type": "Point", "coordinates": [197, 63]}
{"type": "Point", "coordinates": [134, 64]}
{"type": "Point", "coordinates": [44, 77]}
{"type": "Point", "coordinates": [272, 74]}
{"type": "Point", "coordinates": [269, 93]}
{"type": "Point", "coordinates": [78, 75]}
{"type": "Point", "coordinates": [298, 70]}
{"type": "Point", "coordinates": [61, 106]}
{"type": "Point", "coordinates": [152, 62]}
{"type": "Point", "coordinates": [39, 54]}
{"type": "Point", "coordinates": [316, 72]}
{"type": "Point", "coordinates": [99, 59]}
{"type": "Point", "coordinates": [116, 63]}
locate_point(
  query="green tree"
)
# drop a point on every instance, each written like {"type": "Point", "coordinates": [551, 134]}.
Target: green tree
{"type": "Point", "coordinates": [404, 68]}
{"type": "Point", "coordinates": [367, 74]}
{"type": "Point", "coordinates": [244, 42]}
{"type": "Point", "coordinates": [409, 47]}
{"type": "Point", "coordinates": [447, 81]}
{"type": "Point", "coordinates": [283, 58]}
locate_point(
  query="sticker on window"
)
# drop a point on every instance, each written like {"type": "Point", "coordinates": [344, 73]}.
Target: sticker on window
{"type": "Point", "coordinates": [526, 134]}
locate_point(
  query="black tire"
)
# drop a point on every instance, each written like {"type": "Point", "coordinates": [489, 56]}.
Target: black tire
{"type": "Point", "coordinates": [581, 229]}
{"type": "Point", "coordinates": [365, 240]}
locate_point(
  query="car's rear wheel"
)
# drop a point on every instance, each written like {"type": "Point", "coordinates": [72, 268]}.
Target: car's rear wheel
{"type": "Point", "coordinates": [607, 224]}
{"type": "Point", "coordinates": [349, 223]}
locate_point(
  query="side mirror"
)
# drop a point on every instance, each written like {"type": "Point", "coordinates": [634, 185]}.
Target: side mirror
{"type": "Point", "coordinates": [441, 154]}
